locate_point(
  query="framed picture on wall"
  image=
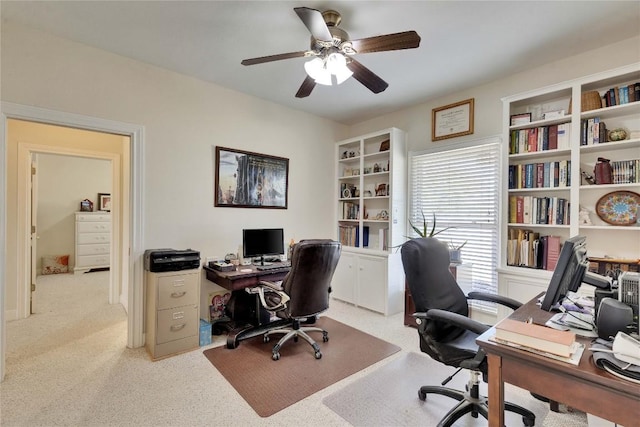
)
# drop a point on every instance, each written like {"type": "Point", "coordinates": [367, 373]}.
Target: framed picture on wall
{"type": "Point", "coordinates": [104, 202]}
{"type": "Point", "coordinates": [250, 180]}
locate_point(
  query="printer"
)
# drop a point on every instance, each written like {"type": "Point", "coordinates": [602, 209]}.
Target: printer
{"type": "Point", "coordinates": [160, 260]}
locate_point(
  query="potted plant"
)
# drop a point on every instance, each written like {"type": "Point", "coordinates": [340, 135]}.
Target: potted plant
{"type": "Point", "coordinates": [424, 231]}
{"type": "Point", "coordinates": [455, 253]}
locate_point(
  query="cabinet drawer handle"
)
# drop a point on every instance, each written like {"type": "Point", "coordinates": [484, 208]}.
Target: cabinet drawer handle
{"type": "Point", "coordinates": [175, 328]}
{"type": "Point", "coordinates": [178, 294]}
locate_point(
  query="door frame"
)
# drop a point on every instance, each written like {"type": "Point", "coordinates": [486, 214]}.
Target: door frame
{"type": "Point", "coordinates": [25, 209]}
{"type": "Point", "coordinates": [131, 259]}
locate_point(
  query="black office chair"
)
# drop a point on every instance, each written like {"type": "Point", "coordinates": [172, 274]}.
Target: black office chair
{"type": "Point", "coordinates": [446, 332]}
{"type": "Point", "coordinates": [304, 292]}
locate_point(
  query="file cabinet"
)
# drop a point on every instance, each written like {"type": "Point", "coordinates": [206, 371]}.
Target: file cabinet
{"type": "Point", "coordinates": [172, 312]}
{"type": "Point", "coordinates": [93, 241]}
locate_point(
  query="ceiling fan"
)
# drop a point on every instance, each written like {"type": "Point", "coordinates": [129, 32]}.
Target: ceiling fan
{"type": "Point", "coordinates": [332, 52]}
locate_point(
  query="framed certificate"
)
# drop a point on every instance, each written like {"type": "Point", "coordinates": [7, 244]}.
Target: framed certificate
{"type": "Point", "coordinates": [452, 120]}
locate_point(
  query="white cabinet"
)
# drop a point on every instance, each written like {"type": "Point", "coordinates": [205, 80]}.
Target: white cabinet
{"type": "Point", "coordinates": [93, 241]}
{"type": "Point", "coordinates": [172, 312]}
{"type": "Point", "coordinates": [534, 149]}
{"type": "Point", "coordinates": [375, 282]}
{"type": "Point", "coordinates": [371, 187]}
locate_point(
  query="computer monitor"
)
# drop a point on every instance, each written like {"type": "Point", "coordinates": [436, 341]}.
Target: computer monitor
{"type": "Point", "coordinates": [571, 272]}
{"type": "Point", "coordinates": [260, 242]}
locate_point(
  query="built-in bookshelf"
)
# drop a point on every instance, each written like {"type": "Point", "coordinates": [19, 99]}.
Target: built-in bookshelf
{"type": "Point", "coordinates": [556, 139]}
{"type": "Point", "coordinates": [371, 187]}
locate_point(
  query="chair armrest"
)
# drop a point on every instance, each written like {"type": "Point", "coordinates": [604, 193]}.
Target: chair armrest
{"type": "Point", "coordinates": [270, 287]}
{"type": "Point", "coordinates": [458, 320]}
{"type": "Point", "coordinates": [499, 299]}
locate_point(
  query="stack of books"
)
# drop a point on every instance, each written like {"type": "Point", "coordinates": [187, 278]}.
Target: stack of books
{"type": "Point", "coordinates": [548, 342]}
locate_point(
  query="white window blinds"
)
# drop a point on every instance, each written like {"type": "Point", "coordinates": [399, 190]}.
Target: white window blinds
{"type": "Point", "coordinates": [461, 187]}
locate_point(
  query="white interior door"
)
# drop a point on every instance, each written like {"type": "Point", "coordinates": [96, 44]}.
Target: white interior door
{"type": "Point", "coordinates": [34, 228]}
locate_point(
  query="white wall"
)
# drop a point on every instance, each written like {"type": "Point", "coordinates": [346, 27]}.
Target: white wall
{"type": "Point", "coordinates": [63, 181]}
{"type": "Point", "coordinates": [488, 98]}
{"type": "Point", "coordinates": [184, 119]}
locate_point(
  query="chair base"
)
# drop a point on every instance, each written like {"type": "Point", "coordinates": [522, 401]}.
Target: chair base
{"type": "Point", "coordinates": [296, 333]}
{"type": "Point", "coordinates": [471, 402]}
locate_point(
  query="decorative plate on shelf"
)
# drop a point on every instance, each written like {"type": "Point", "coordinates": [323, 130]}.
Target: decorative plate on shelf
{"type": "Point", "coordinates": [619, 208]}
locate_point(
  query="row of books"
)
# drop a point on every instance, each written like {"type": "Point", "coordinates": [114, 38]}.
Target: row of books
{"type": "Point", "coordinates": [540, 175]}
{"type": "Point", "coordinates": [350, 210]}
{"type": "Point", "coordinates": [349, 235]}
{"type": "Point", "coordinates": [593, 131]}
{"type": "Point", "coordinates": [622, 95]}
{"type": "Point", "coordinates": [526, 248]}
{"type": "Point", "coordinates": [538, 210]}
{"type": "Point", "coordinates": [541, 138]}
{"type": "Point", "coordinates": [625, 171]}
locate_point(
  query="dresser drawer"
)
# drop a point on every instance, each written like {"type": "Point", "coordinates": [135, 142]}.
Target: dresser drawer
{"type": "Point", "coordinates": [93, 227]}
{"type": "Point", "coordinates": [93, 249]}
{"type": "Point", "coordinates": [94, 217]}
{"type": "Point", "coordinates": [92, 260]}
{"type": "Point", "coordinates": [174, 291]}
{"type": "Point", "coordinates": [89, 238]}
{"type": "Point", "coordinates": [176, 323]}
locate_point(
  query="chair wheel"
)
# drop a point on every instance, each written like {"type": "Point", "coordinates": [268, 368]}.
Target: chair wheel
{"type": "Point", "coordinates": [276, 356]}
{"type": "Point", "coordinates": [422, 395]}
{"type": "Point", "coordinates": [318, 355]}
{"type": "Point", "coordinates": [325, 337]}
{"type": "Point", "coordinates": [266, 338]}
{"type": "Point", "coordinates": [295, 339]}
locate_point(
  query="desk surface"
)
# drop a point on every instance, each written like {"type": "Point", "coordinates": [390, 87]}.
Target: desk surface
{"type": "Point", "coordinates": [585, 386]}
{"type": "Point", "coordinates": [237, 279]}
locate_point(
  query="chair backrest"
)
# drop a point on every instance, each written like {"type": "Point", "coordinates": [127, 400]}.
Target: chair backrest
{"type": "Point", "coordinates": [426, 268]}
{"type": "Point", "coordinates": [308, 284]}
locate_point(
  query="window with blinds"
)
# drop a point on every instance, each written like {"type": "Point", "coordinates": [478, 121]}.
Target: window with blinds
{"type": "Point", "coordinates": [461, 187]}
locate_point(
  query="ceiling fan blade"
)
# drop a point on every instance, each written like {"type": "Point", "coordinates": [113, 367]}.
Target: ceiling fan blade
{"type": "Point", "coordinates": [396, 41]}
{"type": "Point", "coordinates": [314, 22]}
{"type": "Point", "coordinates": [367, 77]}
{"type": "Point", "coordinates": [305, 89]}
{"type": "Point", "coordinates": [271, 58]}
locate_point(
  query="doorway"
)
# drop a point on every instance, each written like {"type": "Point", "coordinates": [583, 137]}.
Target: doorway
{"type": "Point", "coordinates": [59, 183]}
{"type": "Point", "coordinates": [131, 254]}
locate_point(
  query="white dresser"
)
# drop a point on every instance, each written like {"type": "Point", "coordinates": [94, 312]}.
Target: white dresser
{"type": "Point", "coordinates": [93, 241]}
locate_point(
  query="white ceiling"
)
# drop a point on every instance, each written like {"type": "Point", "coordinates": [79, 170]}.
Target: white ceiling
{"type": "Point", "coordinates": [464, 43]}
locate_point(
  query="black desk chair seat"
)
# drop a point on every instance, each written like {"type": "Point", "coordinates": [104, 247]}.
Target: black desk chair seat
{"type": "Point", "coordinates": [304, 292]}
{"type": "Point", "coordinates": [446, 332]}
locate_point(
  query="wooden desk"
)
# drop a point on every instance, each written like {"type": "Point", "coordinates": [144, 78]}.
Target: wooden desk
{"type": "Point", "coordinates": [585, 387]}
{"type": "Point", "coordinates": [246, 321]}
{"type": "Point", "coordinates": [237, 280]}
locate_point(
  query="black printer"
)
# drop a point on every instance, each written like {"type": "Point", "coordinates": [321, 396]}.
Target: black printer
{"type": "Point", "coordinates": [159, 260]}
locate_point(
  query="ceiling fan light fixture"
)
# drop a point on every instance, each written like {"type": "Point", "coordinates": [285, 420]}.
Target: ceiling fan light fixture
{"type": "Point", "coordinates": [321, 69]}
{"type": "Point", "coordinates": [317, 70]}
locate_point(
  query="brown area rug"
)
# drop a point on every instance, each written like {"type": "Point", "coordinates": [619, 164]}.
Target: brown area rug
{"type": "Point", "coordinates": [270, 386]}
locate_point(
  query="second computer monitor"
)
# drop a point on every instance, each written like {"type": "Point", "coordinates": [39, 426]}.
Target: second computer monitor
{"type": "Point", "coordinates": [569, 272]}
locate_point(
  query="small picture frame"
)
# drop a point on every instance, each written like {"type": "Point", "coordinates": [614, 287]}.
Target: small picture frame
{"type": "Point", "coordinates": [104, 202]}
{"type": "Point", "coordinates": [86, 206]}
{"type": "Point", "coordinates": [520, 119]}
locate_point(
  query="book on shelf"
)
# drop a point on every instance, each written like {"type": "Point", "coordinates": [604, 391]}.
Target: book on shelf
{"type": "Point", "coordinates": [623, 94]}
{"type": "Point", "coordinates": [626, 171]}
{"type": "Point", "coordinates": [542, 338]}
{"type": "Point", "coordinates": [553, 252]}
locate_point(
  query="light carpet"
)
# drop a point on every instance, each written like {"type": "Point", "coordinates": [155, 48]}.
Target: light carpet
{"type": "Point", "coordinates": [389, 397]}
{"type": "Point", "coordinates": [270, 386]}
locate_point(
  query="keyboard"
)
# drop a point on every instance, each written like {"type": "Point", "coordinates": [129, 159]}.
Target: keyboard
{"type": "Point", "coordinates": [275, 266]}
